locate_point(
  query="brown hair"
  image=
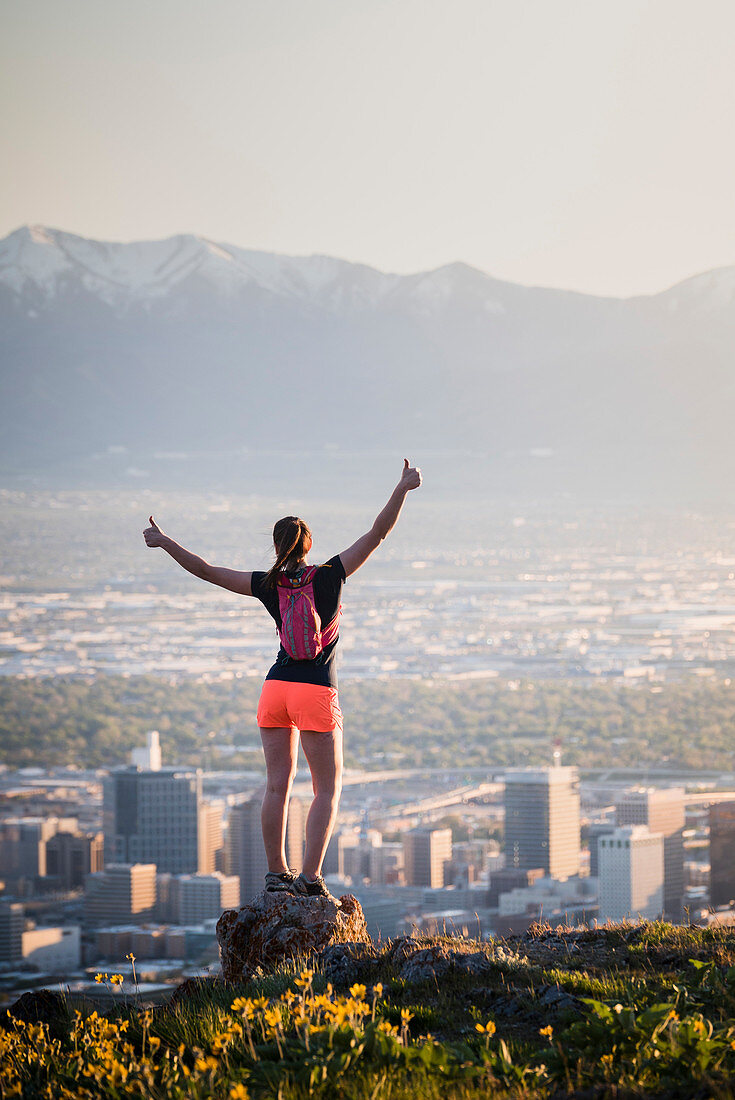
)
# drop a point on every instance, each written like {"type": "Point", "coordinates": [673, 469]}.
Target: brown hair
{"type": "Point", "coordinates": [290, 538]}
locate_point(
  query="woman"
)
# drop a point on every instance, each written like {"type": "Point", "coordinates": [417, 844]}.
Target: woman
{"type": "Point", "coordinates": [299, 694]}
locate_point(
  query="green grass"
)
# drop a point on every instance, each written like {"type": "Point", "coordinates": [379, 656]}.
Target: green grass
{"type": "Point", "coordinates": [638, 1011]}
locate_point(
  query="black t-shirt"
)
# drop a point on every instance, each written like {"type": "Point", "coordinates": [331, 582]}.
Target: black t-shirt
{"type": "Point", "coordinates": [328, 581]}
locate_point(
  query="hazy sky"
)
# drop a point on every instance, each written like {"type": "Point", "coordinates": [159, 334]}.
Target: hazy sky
{"type": "Point", "coordinates": [576, 143]}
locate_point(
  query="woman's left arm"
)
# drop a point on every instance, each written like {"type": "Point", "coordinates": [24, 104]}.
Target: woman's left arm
{"type": "Point", "coordinates": [234, 580]}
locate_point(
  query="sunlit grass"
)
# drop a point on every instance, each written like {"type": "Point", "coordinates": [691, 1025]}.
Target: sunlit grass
{"type": "Point", "coordinates": [291, 1034]}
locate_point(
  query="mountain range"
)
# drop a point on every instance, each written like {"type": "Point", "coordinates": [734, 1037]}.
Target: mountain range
{"type": "Point", "coordinates": [189, 347]}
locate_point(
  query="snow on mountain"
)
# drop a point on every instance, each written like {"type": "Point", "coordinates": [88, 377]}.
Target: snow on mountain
{"type": "Point", "coordinates": [43, 260]}
{"type": "Point", "coordinates": [38, 258]}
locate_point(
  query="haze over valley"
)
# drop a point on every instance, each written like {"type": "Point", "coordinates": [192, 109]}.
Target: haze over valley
{"type": "Point", "coordinates": [191, 362]}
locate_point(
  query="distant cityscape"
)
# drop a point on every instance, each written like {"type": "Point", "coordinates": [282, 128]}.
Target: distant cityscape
{"type": "Point", "coordinates": [540, 593]}
{"type": "Point", "coordinates": [107, 871]}
{"type": "Point", "coordinates": [100, 866]}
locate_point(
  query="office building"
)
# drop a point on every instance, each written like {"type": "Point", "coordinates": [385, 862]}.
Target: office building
{"type": "Point", "coordinates": [155, 817]}
{"type": "Point", "coordinates": [195, 898]}
{"type": "Point", "coordinates": [211, 837]}
{"type": "Point", "coordinates": [663, 811]}
{"type": "Point", "coordinates": [631, 878]}
{"type": "Point", "coordinates": [71, 856]}
{"type": "Point", "coordinates": [56, 950]}
{"type": "Point", "coordinates": [12, 923]}
{"type": "Point", "coordinates": [148, 757]}
{"type": "Point", "coordinates": [595, 830]}
{"type": "Point", "coordinates": [246, 853]}
{"type": "Point", "coordinates": [507, 879]}
{"type": "Point", "coordinates": [23, 844]}
{"type": "Point", "coordinates": [425, 852]}
{"type": "Point", "coordinates": [722, 854]}
{"type": "Point", "coordinates": [123, 892]}
{"type": "Point", "coordinates": [354, 852]}
{"type": "Point", "coordinates": [542, 823]}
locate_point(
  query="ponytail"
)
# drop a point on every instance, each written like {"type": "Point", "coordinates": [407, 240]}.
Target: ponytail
{"type": "Point", "coordinates": [290, 537]}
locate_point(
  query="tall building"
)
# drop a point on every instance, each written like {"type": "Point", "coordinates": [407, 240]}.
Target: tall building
{"type": "Point", "coordinates": [155, 817]}
{"type": "Point", "coordinates": [71, 856]}
{"type": "Point", "coordinates": [122, 893]}
{"type": "Point", "coordinates": [23, 842]}
{"type": "Point", "coordinates": [663, 811]}
{"type": "Point", "coordinates": [631, 879]}
{"type": "Point", "coordinates": [722, 854]}
{"type": "Point", "coordinates": [246, 853]}
{"type": "Point", "coordinates": [12, 923]}
{"type": "Point", "coordinates": [425, 852]}
{"type": "Point", "coordinates": [595, 830]}
{"type": "Point", "coordinates": [211, 837]}
{"type": "Point", "coordinates": [542, 823]}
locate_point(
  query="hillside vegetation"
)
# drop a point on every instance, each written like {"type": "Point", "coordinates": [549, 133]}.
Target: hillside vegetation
{"type": "Point", "coordinates": [396, 723]}
{"type": "Point", "coordinates": [635, 1011]}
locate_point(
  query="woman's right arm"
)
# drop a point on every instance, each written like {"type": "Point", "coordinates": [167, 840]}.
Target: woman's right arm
{"type": "Point", "coordinates": [361, 550]}
{"type": "Point", "coordinates": [234, 580]}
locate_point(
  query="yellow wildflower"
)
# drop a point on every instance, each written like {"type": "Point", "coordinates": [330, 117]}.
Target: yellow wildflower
{"type": "Point", "coordinates": [486, 1029]}
{"type": "Point", "coordinates": [100, 977]}
{"type": "Point", "coordinates": [358, 991]}
{"type": "Point", "coordinates": [116, 979]}
{"type": "Point", "coordinates": [406, 1016]}
{"type": "Point", "coordinates": [546, 1032]}
{"type": "Point", "coordinates": [239, 1092]}
{"type": "Point", "coordinates": [207, 1063]}
{"type": "Point", "coordinates": [378, 989]}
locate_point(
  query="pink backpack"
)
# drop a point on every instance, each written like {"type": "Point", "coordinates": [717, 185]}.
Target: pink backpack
{"type": "Point", "coordinates": [301, 631]}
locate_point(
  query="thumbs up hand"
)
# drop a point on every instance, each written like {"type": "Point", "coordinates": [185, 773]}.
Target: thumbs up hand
{"type": "Point", "coordinates": [410, 476]}
{"type": "Point", "coordinates": [153, 535]}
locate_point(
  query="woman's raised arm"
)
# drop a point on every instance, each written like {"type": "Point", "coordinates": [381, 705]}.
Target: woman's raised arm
{"type": "Point", "coordinates": [361, 550]}
{"type": "Point", "coordinates": [234, 580]}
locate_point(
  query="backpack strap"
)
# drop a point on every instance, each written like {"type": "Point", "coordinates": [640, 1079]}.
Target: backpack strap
{"type": "Point", "coordinates": [284, 581]}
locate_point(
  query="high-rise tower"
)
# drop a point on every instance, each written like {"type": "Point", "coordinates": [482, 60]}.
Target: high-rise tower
{"type": "Point", "coordinates": [542, 827]}
{"type": "Point", "coordinates": [662, 810]}
{"type": "Point", "coordinates": [245, 849]}
{"type": "Point", "coordinates": [154, 817]}
{"type": "Point", "coordinates": [722, 853]}
{"type": "Point", "coordinates": [631, 874]}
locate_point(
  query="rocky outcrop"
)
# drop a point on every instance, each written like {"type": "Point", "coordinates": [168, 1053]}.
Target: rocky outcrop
{"type": "Point", "coordinates": [276, 928]}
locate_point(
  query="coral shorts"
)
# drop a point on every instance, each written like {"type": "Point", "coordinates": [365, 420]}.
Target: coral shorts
{"type": "Point", "coordinates": [300, 706]}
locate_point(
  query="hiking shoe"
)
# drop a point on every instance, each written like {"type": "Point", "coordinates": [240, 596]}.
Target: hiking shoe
{"type": "Point", "coordinates": [315, 889]}
{"type": "Point", "coordinates": [280, 882]}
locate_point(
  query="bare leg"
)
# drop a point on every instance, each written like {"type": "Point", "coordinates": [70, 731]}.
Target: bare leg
{"type": "Point", "coordinates": [280, 746]}
{"type": "Point", "coordinates": [324, 754]}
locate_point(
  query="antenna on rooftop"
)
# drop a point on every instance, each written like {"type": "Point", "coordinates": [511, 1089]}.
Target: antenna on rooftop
{"type": "Point", "coordinates": [557, 752]}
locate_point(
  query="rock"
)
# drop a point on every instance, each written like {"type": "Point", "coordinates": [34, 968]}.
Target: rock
{"type": "Point", "coordinates": [39, 1006]}
{"type": "Point", "coordinates": [426, 965]}
{"type": "Point", "coordinates": [476, 963]}
{"type": "Point", "coordinates": [557, 998]}
{"type": "Point", "coordinates": [276, 928]}
{"type": "Point", "coordinates": [402, 948]}
{"type": "Point", "coordinates": [343, 964]}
